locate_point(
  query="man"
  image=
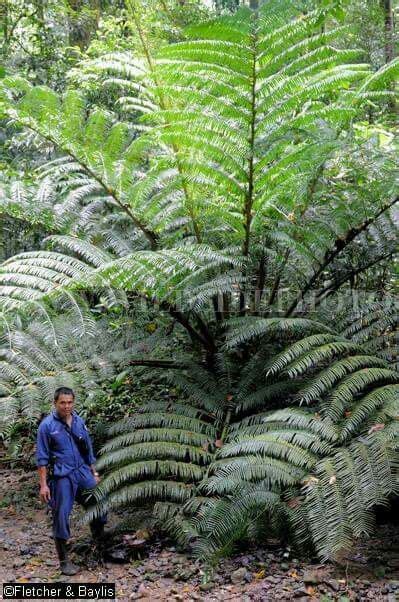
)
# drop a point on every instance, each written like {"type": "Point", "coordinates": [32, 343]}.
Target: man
{"type": "Point", "coordinates": [64, 447]}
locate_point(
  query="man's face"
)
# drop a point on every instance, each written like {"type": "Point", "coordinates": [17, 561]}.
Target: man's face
{"type": "Point", "coordinates": [64, 405]}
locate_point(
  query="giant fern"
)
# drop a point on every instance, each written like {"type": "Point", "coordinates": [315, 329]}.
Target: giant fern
{"type": "Point", "coordinates": [243, 460]}
{"type": "Point", "coordinates": [223, 183]}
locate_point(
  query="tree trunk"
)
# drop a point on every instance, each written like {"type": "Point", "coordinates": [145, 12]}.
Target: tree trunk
{"type": "Point", "coordinates": [254, 4]}
{"type": "Point", "coordinates": [4, 20]}
{"type": "Point", "coordinates": [389, 30]}
{"type": "Point", "coordinates": [389, 41]}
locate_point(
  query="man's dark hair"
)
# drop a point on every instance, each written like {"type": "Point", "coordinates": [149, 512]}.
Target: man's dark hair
{"type": "Point", "coordinates": [63, 391]}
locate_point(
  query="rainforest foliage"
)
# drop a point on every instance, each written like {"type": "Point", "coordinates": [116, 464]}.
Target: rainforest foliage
{"type": "Point", "coordinates": [200, 234]}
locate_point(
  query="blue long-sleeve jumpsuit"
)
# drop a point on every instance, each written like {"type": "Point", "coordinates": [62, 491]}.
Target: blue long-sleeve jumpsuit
{"type": "Point", "coordinates": [71, 471]}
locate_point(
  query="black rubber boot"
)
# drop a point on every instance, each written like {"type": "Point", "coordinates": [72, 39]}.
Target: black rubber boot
{"type": "Point", "coordinates": [66, 566]}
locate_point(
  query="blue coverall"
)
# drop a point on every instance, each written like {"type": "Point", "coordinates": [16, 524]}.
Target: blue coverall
{"type": "Point", "coordinates": [71, 471]}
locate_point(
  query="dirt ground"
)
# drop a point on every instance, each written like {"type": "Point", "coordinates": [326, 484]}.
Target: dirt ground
{"type": "Point", "coordinates": [27, 555]}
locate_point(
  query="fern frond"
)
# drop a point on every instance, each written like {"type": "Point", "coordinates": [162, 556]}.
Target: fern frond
{"type": "Point", "coordinates": [346, 486]}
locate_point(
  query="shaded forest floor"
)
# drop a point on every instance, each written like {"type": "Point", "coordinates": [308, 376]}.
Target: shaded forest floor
{"type": "Point", "coordinates": [27, 555]}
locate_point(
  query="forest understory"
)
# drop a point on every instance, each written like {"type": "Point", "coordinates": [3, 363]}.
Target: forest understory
{"type": "Point", "coordinates": [270, 573]}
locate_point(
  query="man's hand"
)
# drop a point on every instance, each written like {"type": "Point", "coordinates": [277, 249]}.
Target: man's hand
{"type": "Point", "coordinates": [45, 494]}
{"type": "Point", "coordinates": [95, 474]}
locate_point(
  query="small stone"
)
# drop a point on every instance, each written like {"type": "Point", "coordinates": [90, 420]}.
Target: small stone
{"type": "Point", "coordinates": [117, 555]}
{"type": "Point", "coordinates": [185, 575]}
{"type": "Point", "coordinates": [301, 592]}
{"type": "Point", "coordinates": [206, 587]}
{"type": "Point", "coordinates": [27, 551]}
{"type": "Point", "coordinates": [334, 584]}
{"type": "Point", "coordinates": [239, 575]}
{"type": "Point", "coordinates": [311, 578]}
{"type": "Point", "coordinates": [142, 590]}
